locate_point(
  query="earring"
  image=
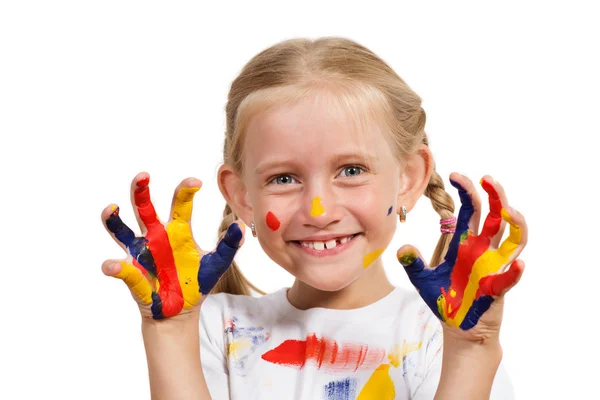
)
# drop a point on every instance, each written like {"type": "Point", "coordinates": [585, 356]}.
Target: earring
{"type": "Point", "coordinates": [402, 214]}
{"type": "Point", "coordinates": [253, 229]}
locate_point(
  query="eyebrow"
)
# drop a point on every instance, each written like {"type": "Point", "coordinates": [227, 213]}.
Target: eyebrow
{"type": "Point", "coordinates": [365, 158]}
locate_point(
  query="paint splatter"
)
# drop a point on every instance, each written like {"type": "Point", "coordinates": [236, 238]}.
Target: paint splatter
{"type": "Point", "coordinates": [325, 354]}
{"type": "Point", "coordinates": [340, 390]}
{"type": "Point", "coordinates": [390, 210]}
{"type": "Point", "coordinates": [399, 354]}
{"type": "Point", "coordinates": [371, 257]}
{"type": "Point", "coordinates": [317, 209]}
{"type": "Point", "coordinates": [461, 289]}
{"type": "Point", "coordinates": [243, 342]}
{"type": "Point", "coordinates": [379, 386]}
{"type": "Point", "coordinates": [272, 221]}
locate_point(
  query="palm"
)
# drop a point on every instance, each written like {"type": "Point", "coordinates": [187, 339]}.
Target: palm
{"type": "Point", "coordinates": [461, 291]}
{"type": "Point", "coordinates": [166, 270]}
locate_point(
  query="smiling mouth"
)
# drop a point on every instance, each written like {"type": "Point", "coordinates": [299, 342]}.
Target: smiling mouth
{"type": "Point", "coordinates": [326, 245]}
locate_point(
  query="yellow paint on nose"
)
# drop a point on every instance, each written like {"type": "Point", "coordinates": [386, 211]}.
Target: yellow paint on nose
{"type": "Point", "coordinates": [369, 258]}
{"type": "Point", "coordinates": [317, 208]}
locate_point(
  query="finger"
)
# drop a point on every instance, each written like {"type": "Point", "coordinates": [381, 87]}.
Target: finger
{"type": "Point", "coordinates": [142, 204]}
{"type": "Point", "coordinates": [512, 246]}
{"type": "Point", "coordinates": [132, 276]}
{"type": "Point", "coordinates": [504, 202]}
{"type": "Point", "coordinates": [213, 265]}
{"type": "Point", "coordinates": [119, 231]}
{"type": "Point", "coordinates": [124, 236]}
{"type": "Point", "coordinates": [427, 281]}
{"type": "Point", "coordinates": [181, 206]}
{"type": "Point", "coordinates": [468, 215]}
{"type": "Point", "coordinates": [498, 285]}
{"type": "Point", "coordinates": [492, 223]}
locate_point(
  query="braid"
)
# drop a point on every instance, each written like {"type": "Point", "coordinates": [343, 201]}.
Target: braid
{"type": "Point", "coordinates": [444, 205]}
{"type": "Point", "coordinates": [232, 281]}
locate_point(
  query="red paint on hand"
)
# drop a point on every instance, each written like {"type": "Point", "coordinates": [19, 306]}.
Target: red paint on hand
{"type": "Point", "coordinates": [158, 242]}
{"type": "Point", "coordinates": [325, 354]}
{"type": "Point", "coordinates": [468, 252]}
{"type": "Point", "coordinates": [272, 221]}
{"type": "Point", "coordinates": [494, 285]}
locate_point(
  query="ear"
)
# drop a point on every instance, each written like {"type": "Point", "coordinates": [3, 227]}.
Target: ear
{"type": "Point", "coordinates": [234, 191]}
{"type": "Point", "coordinates": [415, 177]}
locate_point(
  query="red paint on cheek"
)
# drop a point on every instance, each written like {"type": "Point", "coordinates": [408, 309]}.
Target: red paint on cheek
{"type": "Point", "coordinates": [272, 221]}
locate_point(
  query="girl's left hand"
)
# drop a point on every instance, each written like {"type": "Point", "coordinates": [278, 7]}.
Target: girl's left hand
{"type": "Point", "coordinates": [467, 290]}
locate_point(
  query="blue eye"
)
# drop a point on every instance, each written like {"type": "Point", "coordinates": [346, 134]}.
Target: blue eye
{"type": "Point", "coordinates": [354, 169]}
{"type": "Point", "coordinates": [282, 179]}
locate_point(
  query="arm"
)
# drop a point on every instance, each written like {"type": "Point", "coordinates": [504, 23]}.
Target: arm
{"type": "Point", "coordinates": [466, 291]}
{"type": "Point", "coordinates": [169, 276]}
{"type": "Point", "coordinates": [173, 353]}
{"type": "Point", "coordinates": [461, 359]}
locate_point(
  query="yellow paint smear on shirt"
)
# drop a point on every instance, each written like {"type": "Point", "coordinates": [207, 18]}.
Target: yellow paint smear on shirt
{"type": "Point", "coordinates": [317, 209]}
{"type": "Point", "coordinates": [136, 282]}
{"type": "Point", "coordinates": [379, 386]}
{"type": "Point", "coordinates": [369, 258]}
{"type": "Point", "coordinates": [185, 253]}
{"type": "Point", "coordinates": [237, 347]}
{"type": "Point", "coordinates": [490, 262]}
{"type": "Point", "coordinates": [399, 352]}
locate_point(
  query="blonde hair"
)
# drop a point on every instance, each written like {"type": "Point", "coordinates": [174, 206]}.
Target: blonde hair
{"type": "Point", "coordinates": [361, 83]}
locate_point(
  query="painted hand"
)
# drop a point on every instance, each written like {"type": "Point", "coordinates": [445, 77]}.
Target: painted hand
{"type": "Point", "coordinates": [463, 289]}
{"type": "Point", "coordinates": [165, 269]}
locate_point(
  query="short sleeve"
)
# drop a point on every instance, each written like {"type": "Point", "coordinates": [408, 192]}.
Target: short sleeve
{"type": "Point", "coordinates": [212, 349]}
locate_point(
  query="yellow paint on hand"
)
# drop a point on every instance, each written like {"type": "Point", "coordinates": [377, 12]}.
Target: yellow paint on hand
{"type": "Point", "coordinates": [452, 292]}
{"type": "Point", "coordinates": [441, 304]}
{"type": "Point", "coordinates": [185, 253]}
{"type": "Point", "coordinates": [398, 353]}
{"type": "Point", "coordinates": [379, 386]}
{"type": "Point", "coordinates": [136, 282]}
{"type": "Point", "coordinates": [317, 208]}
{"type": "Point", "coordinates": [371, 257]}
{"type": "Point", "coordinates": [490, 262]}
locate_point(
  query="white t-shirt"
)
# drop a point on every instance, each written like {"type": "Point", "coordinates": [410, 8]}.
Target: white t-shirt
{"type": "Point", "coordinates": [265, 348]}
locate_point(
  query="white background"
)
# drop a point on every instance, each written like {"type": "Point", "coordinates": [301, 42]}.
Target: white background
{"type": "Point", "coordinates": [92, 93]}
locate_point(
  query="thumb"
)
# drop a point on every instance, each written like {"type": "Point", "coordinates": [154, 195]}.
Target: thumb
{"type": "Point", "coordinates": [411, 260]}
{"type": "Point", "coordinates": [214, 264]}
{"type": "Point", "coordinates": [132, 277]}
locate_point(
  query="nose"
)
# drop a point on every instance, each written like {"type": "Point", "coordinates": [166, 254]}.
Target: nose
{"type": "Point", "coordinates": [321, 208]}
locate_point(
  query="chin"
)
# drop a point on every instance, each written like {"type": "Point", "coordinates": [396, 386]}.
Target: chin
{"type": "Point", "coordinates": [328, 280]}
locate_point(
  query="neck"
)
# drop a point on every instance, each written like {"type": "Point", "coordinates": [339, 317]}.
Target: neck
{"type": "Point", "coordinates": [370, 287]}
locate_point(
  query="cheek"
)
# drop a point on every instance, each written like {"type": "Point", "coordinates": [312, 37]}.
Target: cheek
{"type": "Point", "coordinates": [272, 221]}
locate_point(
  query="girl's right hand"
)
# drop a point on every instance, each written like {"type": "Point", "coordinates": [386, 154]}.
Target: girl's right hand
{"type": "Point", "coordinates": [165, 269]}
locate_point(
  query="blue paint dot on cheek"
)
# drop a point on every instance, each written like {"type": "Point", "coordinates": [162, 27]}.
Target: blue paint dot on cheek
{"type": "Point", "coordinates": [390, 210]}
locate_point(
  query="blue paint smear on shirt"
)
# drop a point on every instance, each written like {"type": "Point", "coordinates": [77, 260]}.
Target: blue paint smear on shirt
{"type": "Point", "coordinates": [340, 390]}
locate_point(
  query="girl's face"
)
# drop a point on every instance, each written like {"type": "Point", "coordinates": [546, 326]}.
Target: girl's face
{"type": "Point", "coordinates": [324, 198]}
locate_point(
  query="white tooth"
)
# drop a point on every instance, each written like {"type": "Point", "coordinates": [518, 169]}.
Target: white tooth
{"type": "Point", "coordinates": [344, 239]}
{"type": "Point", "coordinates": [304, 244]}
{"type": "Point", "coordinates": [310, 244]}
{"type": "Point", "coordinates": [319, 245]}
{"type": "Point", "coordinates": [330, 244]}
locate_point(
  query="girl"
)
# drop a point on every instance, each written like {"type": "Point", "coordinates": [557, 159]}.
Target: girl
{"type": "Point", "coordinates": [325, 144]}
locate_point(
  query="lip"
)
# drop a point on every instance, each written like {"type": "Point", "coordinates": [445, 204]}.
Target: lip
{"type": "Point", "coordinates": [326, 252]}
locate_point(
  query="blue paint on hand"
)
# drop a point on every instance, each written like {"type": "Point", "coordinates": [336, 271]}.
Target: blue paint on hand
{"type": "Point", "coordinates": [214, 264]}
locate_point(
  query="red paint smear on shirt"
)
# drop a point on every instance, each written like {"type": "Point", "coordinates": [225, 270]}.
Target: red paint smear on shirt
{"type": "Point", "coordinates": [325, 354]}
{"type": "Point", "coordinates": [272, 221]}
{"type": "Point", "coordinates": [158, 243]}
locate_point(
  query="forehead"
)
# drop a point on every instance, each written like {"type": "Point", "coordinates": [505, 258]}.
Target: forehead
{"type": "Point", "coordinates": [313, 128]}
